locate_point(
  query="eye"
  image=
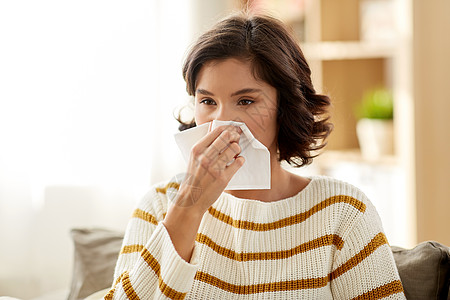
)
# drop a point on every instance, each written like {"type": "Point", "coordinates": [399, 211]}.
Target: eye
{"type": "Point", "coordinates": [207, 102]}
{"type": "Point", "coordinates": [245, 102]}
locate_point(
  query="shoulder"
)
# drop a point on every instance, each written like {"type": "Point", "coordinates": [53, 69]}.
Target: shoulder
{"type": "Point", "coordinates": [325, 187]}
{"type": "Point", "coordinates": [353, 206]}
{"type": "Point", "coordinates": [334, 191]}
{"type": "Point", "coordinates": [329, 187]}
{"type": "Point", "coordinates": [346, 202]}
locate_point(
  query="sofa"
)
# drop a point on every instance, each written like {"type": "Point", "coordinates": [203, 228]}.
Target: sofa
{"type": "Point", "coordinates": [424, 270]}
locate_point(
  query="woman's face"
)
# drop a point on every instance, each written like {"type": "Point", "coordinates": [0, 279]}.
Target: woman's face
{"type": "Point", "coordinates": [227, 91]}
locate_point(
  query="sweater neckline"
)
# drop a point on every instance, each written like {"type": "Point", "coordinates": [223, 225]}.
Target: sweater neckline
{"type": "Point", "coordinates": [305, 190]}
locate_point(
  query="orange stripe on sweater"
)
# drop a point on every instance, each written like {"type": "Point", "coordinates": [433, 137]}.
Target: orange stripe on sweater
{"type": "Point", "coordinates": [128, 288]}
{"type": "Point", "coordinates": [326, 240]}
{"type": "Point", "coordinates": [131, 249]}
{"type": "Point", "coordinates": [309, 283]}
{"type": "Point", "coordinates": [155, 266]}
{"type": "Point", "coordinates": [173, 185]}
{"type": "Point", "coordinates": [110, 294]}
{"type": "Point", "coordinates": [139, 213]}
{"type": "Point", "coordinates": [374, 244]}
{"type": "Point", "coordinates": [383, 291]}
{"type": "Point", "coordinates": [295, 219]}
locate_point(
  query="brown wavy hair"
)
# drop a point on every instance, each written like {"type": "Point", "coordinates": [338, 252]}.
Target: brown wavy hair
{"type": "Point", "coordinates": [276, 58]}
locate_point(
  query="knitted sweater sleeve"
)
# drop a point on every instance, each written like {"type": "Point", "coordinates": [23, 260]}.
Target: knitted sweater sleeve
{"type": "Point", "coordinates": [365, 268]}
{"type": "Point", "coordinates": [149, 267]}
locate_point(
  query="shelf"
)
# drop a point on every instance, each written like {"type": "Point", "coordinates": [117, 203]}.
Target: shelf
{"type": "Point", "coordinates": [331, 157]}
{"type": "Point", "coordinates": [347, 50]}
{"type": "Point", "coordinates": [329, 161]}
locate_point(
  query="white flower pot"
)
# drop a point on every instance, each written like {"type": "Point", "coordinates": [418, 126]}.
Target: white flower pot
{"type": "Point", "coordinates": [376, 138]}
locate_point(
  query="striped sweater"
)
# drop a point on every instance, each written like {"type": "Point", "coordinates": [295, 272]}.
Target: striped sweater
{"type": "Point", "coordinates": [326, 242]}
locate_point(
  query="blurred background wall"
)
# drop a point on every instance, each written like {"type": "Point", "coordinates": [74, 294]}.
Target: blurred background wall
{"type": "Point", "coordinates": [431, 78]}
{"type": "Point", "coordinates": [88, 90]}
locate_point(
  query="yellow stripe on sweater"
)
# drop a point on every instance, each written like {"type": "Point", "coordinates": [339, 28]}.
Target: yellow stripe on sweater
{"type": "Point", "coordinates": [110, 294]}
{"type": "Point", "coordinates": [383, 291]}
{"type": "Point", "coordinates": [326, 240]}
{"type": "Point", "coordinates": [128, 288]}
{"type": "Point", "coordinates": [163, 190]}
{"type": "Point", "coordinates": [309, 283]}
{"type": "Point", "coordinates": [155, 266]}
{"type": "Point", "coordinates": [374, 244]}
{"type": "Point", "coordinates": [295, 219]}
{"type": "Point", "coordinates": [298, 218]}
{"type": "Point", "coordinates": [131, 249]}
{"type": "Point", "coordinates": [140, 214]}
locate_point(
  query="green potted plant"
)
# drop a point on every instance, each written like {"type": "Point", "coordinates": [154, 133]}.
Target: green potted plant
{"type": "Point", "coordinates": [375, 129]}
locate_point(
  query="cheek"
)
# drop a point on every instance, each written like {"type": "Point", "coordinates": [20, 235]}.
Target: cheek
{"type": "Point", "coordinates": [262, 121]}
{"type": "Point", "coordinates": [265, 133]}
{"type": "Point", "coordinates": [264, 112]}
{"type": "Point", "coordinates": [199, 115]}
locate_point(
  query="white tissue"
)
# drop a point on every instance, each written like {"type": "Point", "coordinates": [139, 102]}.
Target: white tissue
{"type": "Point", "coordinates": [254, 173]}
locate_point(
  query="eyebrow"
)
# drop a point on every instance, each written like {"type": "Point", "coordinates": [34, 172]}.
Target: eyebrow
{"type": "Point", "coordinates": [240, 92]}
{"type": "Point", "coordinates": [245, 91]}
{"type": "Point", "coordinates": [204, 92]}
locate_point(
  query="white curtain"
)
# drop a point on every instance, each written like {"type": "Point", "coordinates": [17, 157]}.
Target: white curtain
{"type": "Point", "coordinates": [87, 91]}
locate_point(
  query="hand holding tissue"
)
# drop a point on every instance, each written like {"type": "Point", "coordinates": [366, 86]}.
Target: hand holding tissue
{"type": "Point", "coordinates": [254, 174]}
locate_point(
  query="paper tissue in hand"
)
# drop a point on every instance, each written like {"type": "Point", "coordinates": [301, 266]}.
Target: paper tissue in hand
{"type": "Point", "coordinates": [254, 173]}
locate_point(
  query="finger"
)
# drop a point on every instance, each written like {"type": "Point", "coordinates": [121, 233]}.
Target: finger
{"type": "Point", "coordinates": [217, 164]}
{"type": "Point", "coordinates": [210, 137]}
{"type": "Point", "coordinates": [220, 144]}
{"type": "Point", "coordinates": [227, 156]}
{"type": "Point", "coordinates": [234, 166]}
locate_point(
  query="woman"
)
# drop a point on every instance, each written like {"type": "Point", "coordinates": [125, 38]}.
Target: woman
{"type": "Point", "coordinates": [304, 238]}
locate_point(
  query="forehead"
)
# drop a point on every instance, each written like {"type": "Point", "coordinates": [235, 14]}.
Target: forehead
{"type": "Point", "coordinates": [228, 72]}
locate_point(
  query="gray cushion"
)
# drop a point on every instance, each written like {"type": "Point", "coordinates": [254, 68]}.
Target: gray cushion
{"type": "Point", "coordinates": [95, 255]}
{"type": "Point", "coordinates": [424, 270]}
